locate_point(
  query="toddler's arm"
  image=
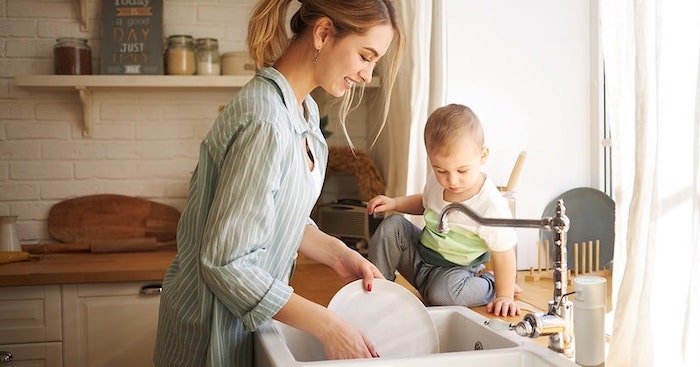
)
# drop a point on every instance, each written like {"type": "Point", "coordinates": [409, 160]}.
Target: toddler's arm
{"type": "Point", "coordinates": [412, 204]}
{"type": "Point", "coordinates": [504, 271]}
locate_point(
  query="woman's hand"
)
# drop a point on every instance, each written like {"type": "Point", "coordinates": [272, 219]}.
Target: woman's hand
{"type": "Point", "coordinates": [340, 339]}
{"type": "Point", "coordinates": [348, 263]}
{"type": "Point", "coordinates": [346, 342]}
{"type": "Point", "coordinates": [353, 266]}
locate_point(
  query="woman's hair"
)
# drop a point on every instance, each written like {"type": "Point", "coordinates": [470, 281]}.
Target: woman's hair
{"type": "Point", "coordinates": [450, 125]}
{"type": "Point", "coordinates": [268, 39]}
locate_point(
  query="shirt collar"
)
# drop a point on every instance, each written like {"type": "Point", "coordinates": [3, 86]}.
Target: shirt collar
{"type": "Point", "coordinates": [289, 98]}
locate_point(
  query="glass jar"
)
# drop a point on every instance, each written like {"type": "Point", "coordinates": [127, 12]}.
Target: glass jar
{"type": "Point", "coordinates": [237, 63]}
{"type": "Point", "coordinates": [208, 57]}
{"type": "Point", "coordinates": [72, 56]}
{"type": "Point", "coordinates": [180, 53]}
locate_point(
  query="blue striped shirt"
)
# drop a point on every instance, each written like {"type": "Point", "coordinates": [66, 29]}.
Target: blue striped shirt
{"type": "Point", "coordinates": [249, 200]}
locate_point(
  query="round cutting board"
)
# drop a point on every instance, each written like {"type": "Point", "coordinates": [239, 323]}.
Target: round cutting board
{"type": "Point", "coordinates": [110, 216]}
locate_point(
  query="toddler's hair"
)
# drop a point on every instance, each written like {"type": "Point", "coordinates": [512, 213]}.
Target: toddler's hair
{"type": "Point", "coordinates": [449, 125]}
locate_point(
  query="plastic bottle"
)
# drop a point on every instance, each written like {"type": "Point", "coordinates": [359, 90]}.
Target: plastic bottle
{"type": "Point", "coordinates": [589, 320]}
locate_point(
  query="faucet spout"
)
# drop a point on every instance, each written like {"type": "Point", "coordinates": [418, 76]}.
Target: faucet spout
{"type": "Point", "coordinates": [443, 227]}
{"type": "Point", "coordinates": [558, 321]}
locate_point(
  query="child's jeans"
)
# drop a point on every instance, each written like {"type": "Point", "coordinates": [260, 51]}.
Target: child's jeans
{"type": "Point", "coordinates": [394, 247]}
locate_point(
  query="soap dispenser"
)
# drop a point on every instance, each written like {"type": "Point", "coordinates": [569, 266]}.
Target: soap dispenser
{"type": "Point", "coordinates": [589, 320]}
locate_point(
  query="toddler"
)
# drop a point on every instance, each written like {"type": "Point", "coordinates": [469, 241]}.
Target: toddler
{"type": "Point", "coordinates": [449, 269]}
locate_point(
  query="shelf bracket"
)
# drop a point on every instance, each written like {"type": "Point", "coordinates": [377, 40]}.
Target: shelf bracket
{"type": "Point", "coordinates": [86, 102]}
{"type": "Point", "coordinates": [83, 16]}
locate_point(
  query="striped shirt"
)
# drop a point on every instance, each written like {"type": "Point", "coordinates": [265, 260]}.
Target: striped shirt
{"type": "Point", "coordinates": [249, 200]}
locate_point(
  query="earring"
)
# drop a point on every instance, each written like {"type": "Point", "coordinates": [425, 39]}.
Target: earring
{"type": "Point", "coordinates": [316, 56]}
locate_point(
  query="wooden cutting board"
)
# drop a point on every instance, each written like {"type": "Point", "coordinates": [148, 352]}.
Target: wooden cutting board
{"type": "Point", "coordinates": [109, 217]}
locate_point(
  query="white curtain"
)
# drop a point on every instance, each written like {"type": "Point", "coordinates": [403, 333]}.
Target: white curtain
{"type": "Point", "coordinates": [651, 50]}
{"type": "Point", "coordinates": [419, 89]}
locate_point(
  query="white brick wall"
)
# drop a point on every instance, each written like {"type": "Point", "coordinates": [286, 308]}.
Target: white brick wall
{"type": "Point", "coordinates": [145, 142]}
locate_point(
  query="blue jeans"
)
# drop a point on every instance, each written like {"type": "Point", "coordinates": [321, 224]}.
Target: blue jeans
{"type": "Point", "coordinates": [394, 247]}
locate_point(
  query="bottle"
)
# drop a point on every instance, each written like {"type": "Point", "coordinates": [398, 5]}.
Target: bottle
{"type": "Point", "coordinates": [589, 320]}
{"type": "Point", "coordinates": [181, 60]}
{"type": "Point", "coordinates": [208, 57]}
{"type": "Point", "coordinates": [72, 56]}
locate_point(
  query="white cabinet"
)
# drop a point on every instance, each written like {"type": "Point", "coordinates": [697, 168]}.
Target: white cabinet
{"type": "Point", "coordinates": [30, 325]}
{"type": "Point", "coordinates": [110, 324]}
{"type": "Point", "coordinates": [34, 354]}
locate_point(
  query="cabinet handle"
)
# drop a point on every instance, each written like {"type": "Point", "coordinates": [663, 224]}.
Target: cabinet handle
{"type": "Point", "coordinates": [151, 289]}
{"type": "Point", "coordinates": [5, 356]}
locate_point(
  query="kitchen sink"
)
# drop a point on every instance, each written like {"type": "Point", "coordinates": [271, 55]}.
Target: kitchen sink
{"type": "Point", "coordinates": [462, 337]}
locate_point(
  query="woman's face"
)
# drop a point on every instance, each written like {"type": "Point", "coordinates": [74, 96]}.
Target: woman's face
{"type": "Point", "coordinates": [351, 59]}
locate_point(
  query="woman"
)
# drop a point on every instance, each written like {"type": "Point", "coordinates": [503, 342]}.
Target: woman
{"type": "Point", "coordinates": [260, 171]}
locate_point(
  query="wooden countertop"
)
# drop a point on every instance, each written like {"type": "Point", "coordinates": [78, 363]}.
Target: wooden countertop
{"type": "Point", "coordinates": [65, 268]}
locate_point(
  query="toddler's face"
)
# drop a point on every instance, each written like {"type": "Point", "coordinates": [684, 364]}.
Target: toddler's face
{"type": "Point", "coordinates": [458, 169]}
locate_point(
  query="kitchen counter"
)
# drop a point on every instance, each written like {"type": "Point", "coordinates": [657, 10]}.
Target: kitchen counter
{"type": "Point", "coordinates": [314, 281]}
{"type": "Point", "coordinates": [319, 283]}
{"type": "Point", "coordinates": [66, 268]}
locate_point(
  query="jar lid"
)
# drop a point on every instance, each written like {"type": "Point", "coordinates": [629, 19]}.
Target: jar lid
{"type": "Point", "coordinates": [181, 39]}
{"type": "Point", "coordinates": [207, 42]}
{"type": "Point", "coordinates": [71, 39]}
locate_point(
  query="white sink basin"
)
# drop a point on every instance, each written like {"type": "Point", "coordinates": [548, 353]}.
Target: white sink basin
{"type": "Point", "coordinates": [461, 333]}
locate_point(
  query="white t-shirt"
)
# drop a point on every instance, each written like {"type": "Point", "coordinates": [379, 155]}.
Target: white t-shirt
{"type": "Point", "coordinates": [487, 203]}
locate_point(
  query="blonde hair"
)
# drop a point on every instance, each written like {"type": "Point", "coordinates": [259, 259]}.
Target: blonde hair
{"type": "Point", "coordinates": [267, 36]}
{"type": "Point", "coordinates": [450, 125]}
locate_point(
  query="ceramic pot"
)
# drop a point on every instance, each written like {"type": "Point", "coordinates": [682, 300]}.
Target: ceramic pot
{"type": "Point", "coordinates": [9, 238]}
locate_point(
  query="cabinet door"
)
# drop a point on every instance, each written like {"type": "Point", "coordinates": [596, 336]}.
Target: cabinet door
{"type": "Point", "coordinates": [110, 324]}
{"type": "Point", "coordinates": [34, 354]}
{"type": "Point", "coordinates": [30, 314]}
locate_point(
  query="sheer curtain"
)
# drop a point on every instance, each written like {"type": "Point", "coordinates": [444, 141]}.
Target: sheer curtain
{"type": "Point", "coordinates": [651, 50]}
{"type": "Point", "coordinates": [419, 89]}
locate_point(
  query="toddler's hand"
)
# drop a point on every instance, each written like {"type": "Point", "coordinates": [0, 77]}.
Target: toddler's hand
{"type": "Point", "coordinates": [380, 203]}
{"type": "Point", "coordinates": [503, 306]}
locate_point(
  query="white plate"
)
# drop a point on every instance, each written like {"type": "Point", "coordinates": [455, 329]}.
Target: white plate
{"type": "Point", "coordinates": [393, 319]}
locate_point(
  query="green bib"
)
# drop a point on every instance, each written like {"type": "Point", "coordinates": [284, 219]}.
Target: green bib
{"type": "Point", "coordinates": [459, 246]}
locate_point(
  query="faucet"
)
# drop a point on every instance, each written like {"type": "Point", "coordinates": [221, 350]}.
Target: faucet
{"type": "Point", "coordinates": [557, 322]}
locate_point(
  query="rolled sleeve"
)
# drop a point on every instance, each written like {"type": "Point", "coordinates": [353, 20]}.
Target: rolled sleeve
{"type": "Point", "coordinates": [238, 230]}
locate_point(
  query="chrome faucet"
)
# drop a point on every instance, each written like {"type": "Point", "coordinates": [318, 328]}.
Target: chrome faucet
{"type": "Point", "coordinates": [557, 322]}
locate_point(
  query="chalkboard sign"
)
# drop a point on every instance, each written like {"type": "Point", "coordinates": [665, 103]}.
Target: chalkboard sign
{"type": "Point", "coordinates": [132, 37]}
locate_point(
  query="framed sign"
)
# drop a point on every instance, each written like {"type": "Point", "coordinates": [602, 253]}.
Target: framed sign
{"type": "Point", "coordinates": [132, 37]}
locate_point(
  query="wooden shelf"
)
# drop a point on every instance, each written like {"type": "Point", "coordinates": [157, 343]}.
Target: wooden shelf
{"type": "Point", "coordinates": [84, 84]}
{"type": "Point", "coordinates": [132, 81]}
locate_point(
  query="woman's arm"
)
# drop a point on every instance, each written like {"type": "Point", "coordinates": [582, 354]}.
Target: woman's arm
{"type": "Point", "coordinates": [340, 340]}
{"type": "Point", "coordinates": [348, 263]}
